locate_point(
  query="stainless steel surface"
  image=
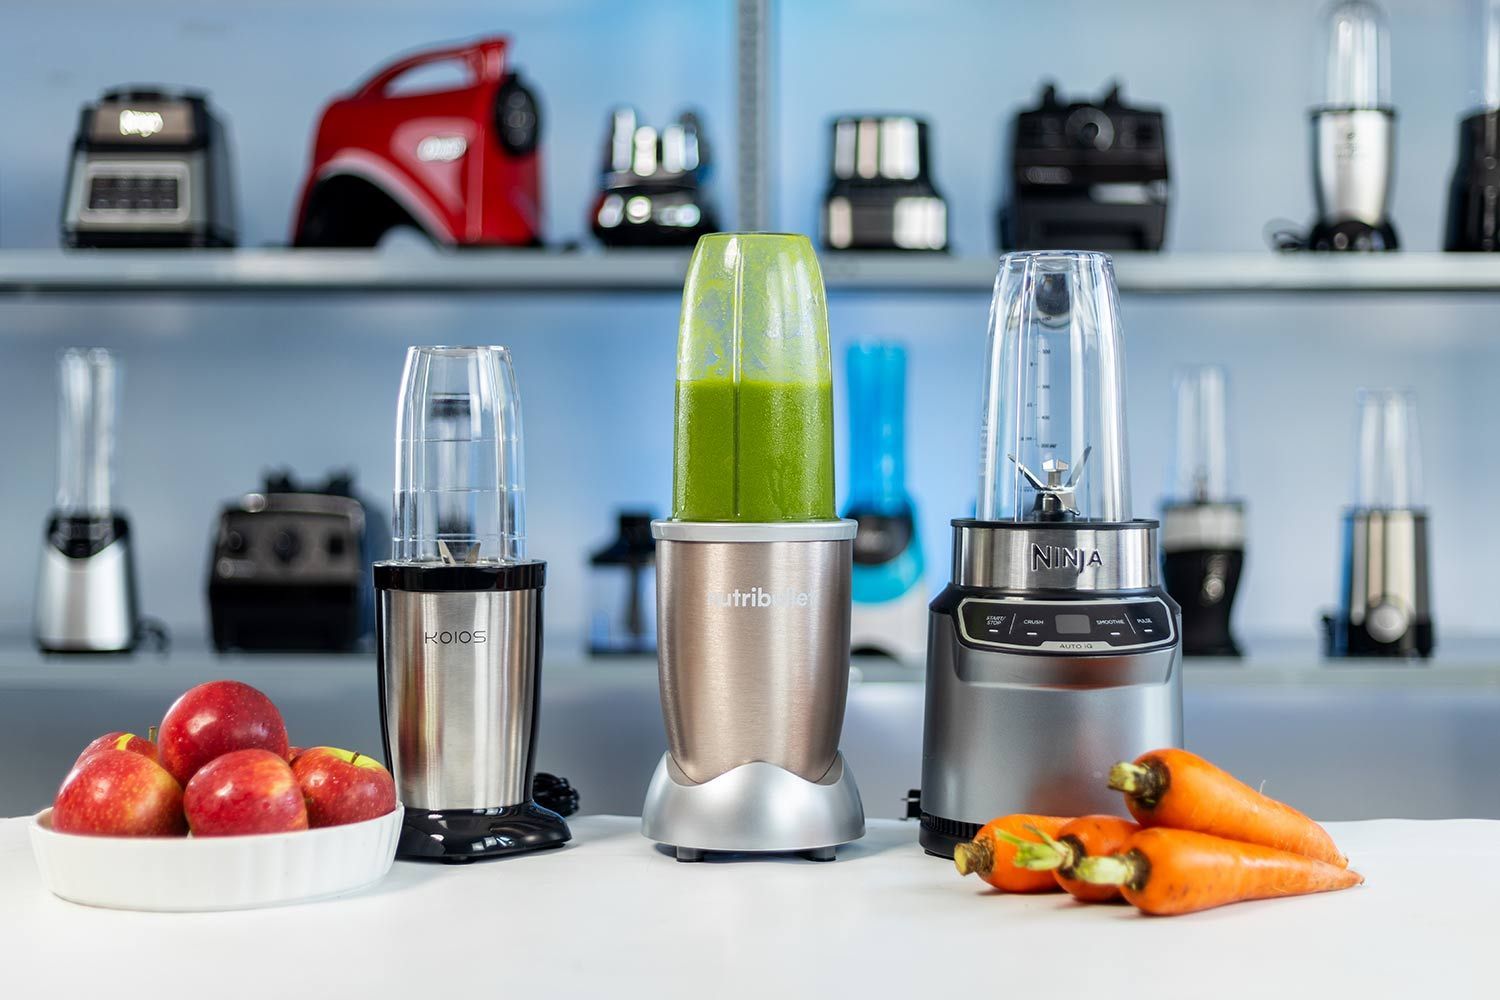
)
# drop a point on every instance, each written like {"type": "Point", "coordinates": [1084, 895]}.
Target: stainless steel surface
{"type": "Point", "coordinates": [460, 675]}
{"type": "Point", "coordinates": [753, 641]}
{"type": "Point", "coordinates": [85, 604]}
{"type": "Point", "coordinates": [1353, 161]}
{"type": "Point", "coordinates": [754, 807]}
{"type": "Point", "coordinates": [1006, 732]}
{"type": "Point", "coordinates": [734, 531]}
{"type": "Point", "coordinates": [1385, 577]}
{"type": "Point", "coordinates": [1055, 556]}
{"type": "Point", "coordinates": [1195, 526]}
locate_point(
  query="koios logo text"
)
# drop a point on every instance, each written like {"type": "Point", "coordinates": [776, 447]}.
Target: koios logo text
{"type": "Point", "coordinates": [462, 637]}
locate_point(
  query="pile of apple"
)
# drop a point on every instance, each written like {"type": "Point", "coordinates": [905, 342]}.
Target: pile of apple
{"type": "Point", "coordinates": [220, 766]}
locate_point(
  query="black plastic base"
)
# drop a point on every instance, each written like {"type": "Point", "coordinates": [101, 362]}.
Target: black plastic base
{"type": "Point", "coordinates": [1474, 192]}
{"type": "Point", "coordinates": [456, 836]}
{"type": "Point", "coordinates": [1203, 582]}
{"type": "Point", "coordinates": [1345, 639]}
{"type": "Point", "coordinates": [1350, 235]}
{"type": "Point", "coordinates": [940, 835]}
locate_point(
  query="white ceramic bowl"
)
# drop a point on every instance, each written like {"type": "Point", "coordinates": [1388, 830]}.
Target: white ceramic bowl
{"type": "Point", "coordinates": [214, 873]}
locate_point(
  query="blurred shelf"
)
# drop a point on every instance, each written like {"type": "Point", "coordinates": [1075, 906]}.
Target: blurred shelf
{"type": "Point", "coordinates": [414, 271]}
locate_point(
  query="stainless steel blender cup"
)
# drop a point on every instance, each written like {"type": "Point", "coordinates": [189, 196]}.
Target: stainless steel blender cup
{"type": "Point", "coordinates": [459, 615]}
{"type": "Point", "coordinates": [1384, 604]}
{"type": "Point", "coordinates": [85, 594]}
{"type": "Point", "coordinates": [1054, 652]}
{"type": "Point", "coordinates": [753, 567]}
{"type": "Point", "coordinates": [1202, 528]}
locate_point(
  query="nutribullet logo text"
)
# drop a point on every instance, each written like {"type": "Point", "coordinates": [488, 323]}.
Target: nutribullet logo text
{"type": "Point", "coordinates": [462, 637]}
{"type": "Point", "coordinates": [758, 597]}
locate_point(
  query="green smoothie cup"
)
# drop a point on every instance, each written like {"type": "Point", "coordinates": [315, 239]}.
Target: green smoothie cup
{"type": "Point", "coordinates": [754, 423]}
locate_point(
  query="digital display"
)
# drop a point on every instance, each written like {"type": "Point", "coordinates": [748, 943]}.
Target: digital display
{"type": "Point", "coordinates": [1073, 625]}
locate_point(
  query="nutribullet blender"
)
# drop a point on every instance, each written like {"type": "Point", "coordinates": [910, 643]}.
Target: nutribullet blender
{"type": "Point", "coordinates": [1202, 527]}
{"type": "Point", "coordinates": [85, 595]}
{"type": "Point", "coordinates": [753, 567]}
{"type": "Point", "coordinates": [889, 616]}
{"type": "Point", "coordinates": [1384, 603]}
{"type": "Point", "coordinates": [459, 615]}
{"type": "Point", "coordinates": [1474, 192]}
{"type": "Point", "coordinates": [1354, 134]}
{"type": "Point", "coordinates": [1055, 651]}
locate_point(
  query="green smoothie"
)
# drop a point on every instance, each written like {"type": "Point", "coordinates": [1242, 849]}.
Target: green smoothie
{"type": "Point", "coordinates": [753, 451]}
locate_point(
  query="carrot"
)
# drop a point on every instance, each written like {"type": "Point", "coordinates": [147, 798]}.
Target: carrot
{"type": "Point", "coordinates": [1084, 837]}
{"type": "Point", "coordinates": [1166, 872]}
{"type": "Point", "coordinates": [1182, 790]}
{"type": "Point", "coordinates": [990, 853]}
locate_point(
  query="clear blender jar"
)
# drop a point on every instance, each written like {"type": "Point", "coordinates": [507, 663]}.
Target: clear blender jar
{"type": "Point", "coordinates": [459, 614]}
{"type": "Point", "coordinates": [1203, 526]}
{"type": "Point", "coordinates": [753, 567]}
{"type": "Point", "coordinates": [86, 597]}
{"type": "Point", "coordinates": [1054, 651]}
{"type": "Point", "coordinates": [1385, 606]}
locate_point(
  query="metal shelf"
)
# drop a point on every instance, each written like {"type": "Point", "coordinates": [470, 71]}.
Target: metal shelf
{"type": "Point", "coordinates": [413, 271]}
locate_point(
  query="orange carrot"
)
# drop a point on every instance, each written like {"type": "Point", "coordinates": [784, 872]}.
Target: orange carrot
{"type": "Point", "coordinates": [990, 853]}
{"type": "Point", "coordinates": [1166, 872]}
{"type": "Point", "coordinates": [1182, 790]}
{"type": "Point", "coordinates": [1084, 837]}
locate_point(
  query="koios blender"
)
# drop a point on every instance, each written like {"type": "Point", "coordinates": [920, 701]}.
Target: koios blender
{"type": "Point", "coordinates": [1054, 652]}
{"type": "Point", "coordinates": [753, 567]}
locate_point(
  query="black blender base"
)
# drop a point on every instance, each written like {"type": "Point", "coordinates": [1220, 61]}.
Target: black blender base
{"type": "Point", "coordinates": [940, 835]}
{"type": "Point", "coordinates": [688, 855]}
{"type": "Point", "coordinates": [457, 836]}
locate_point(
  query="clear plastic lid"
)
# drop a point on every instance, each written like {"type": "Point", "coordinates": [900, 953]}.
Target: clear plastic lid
{"type": "Point", "coordinates": [1053, 427]}
{"type": "Point", "coordinates": [1200, 467]}
{"type": "Point", "coordinates": [754, 423]}
{"type": "Point", "coordinates": [1359, 62]}
{"type": "Point", "coordinates": [87, 381]}
{"type": "Point", "coordinates": [459, 494]}
{"type": "Point", "coordinates": [1389, 474]}
{"type": "Point", "coordinates": [877, 427]}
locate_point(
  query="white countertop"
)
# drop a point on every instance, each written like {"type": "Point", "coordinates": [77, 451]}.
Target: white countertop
{"type": "Point", "coordinates": [612, 916]}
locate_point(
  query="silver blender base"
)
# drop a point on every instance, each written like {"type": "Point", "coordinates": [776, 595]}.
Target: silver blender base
{"type": "Point", "coordinates": [754, 808]}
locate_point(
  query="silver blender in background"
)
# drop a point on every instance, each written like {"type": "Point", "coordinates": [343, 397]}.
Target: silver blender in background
{"type": "Point", "coordinates": [1202, 527]}
{"type": "Point", "coordinates": [459, 615]}
{"type": "Point", "coordinates": [1353, 134]}
{"type": "Point", "coordinates": [1385, 607]}
{"type": "Point", "coordinates": [85, 595]}
{"type": "Point", "coordinates": [753, 567]}
{"type": "Point", "coordinates": [1054, 652]}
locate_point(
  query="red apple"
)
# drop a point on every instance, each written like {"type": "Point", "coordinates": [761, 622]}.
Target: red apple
{"type": "Point", "coordinates": [214, 719]}
{"type": "Point", "coordinates": [118, 793]}
{"type": "Point", "coordinates": [120, 741]}
{"type": "Point", "coordinates": [244, 791]}
{"type": "Point", "coordinates": [343, 787]}
{"type": "Point", "coordinates": [292, 753]}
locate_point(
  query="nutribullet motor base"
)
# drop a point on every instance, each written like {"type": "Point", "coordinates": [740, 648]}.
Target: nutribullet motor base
{"type": "Point", "coordinates": [1385, 606]}
{"type": "Point", "coordinates": [753, 629]}
{"type": "Point", "coordinates": [1203, 554]}
{"type": "Point", "coordinates": [86, 598]}
{"type": "Point", "coordinates": [1053, 654]}
{"type": "Point", "coordinates": [460, 658]}
{"type": "Point", "coordinates": [1353, 157]}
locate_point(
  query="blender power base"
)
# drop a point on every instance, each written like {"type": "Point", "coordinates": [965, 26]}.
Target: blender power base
{"type": "Point", "coordinates": [756, 808]}
{"type": "Point", "coordinates": [458, 836]}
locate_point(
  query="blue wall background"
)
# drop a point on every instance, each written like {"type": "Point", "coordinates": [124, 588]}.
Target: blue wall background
{"type": "Point", "coordinates": [218, 389]}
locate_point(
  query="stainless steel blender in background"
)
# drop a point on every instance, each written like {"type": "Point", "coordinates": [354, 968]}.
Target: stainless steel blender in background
{"type": "Point", "coordinates": [1385, 606]}
{"type": "Point", "coordinates": [1054, 652]}
{"type": "Point", "coordinates": [85, 595]}
{"type": "Point", "coordinates": [1353, 135]}
{"type": "Point", "coordinates": [1202, 528]}
{"type": "Point", "coordinates": [459, 615]}
{"type": "Point", "coordinates": [753, 567]}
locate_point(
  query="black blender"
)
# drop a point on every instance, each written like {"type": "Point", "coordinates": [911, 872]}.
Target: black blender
{"type": "Point", "coordinates": [1202, 527]}
{"type": "Point", "coordinates": [1474, 193]}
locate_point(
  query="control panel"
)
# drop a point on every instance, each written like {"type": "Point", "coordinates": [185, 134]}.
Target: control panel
{"type": "Point", "coordinates": [1100, 626]}
{"type": "Point", "coordinates": [133, 193]}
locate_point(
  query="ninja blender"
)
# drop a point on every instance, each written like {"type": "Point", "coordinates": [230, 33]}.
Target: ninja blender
{"type": "Point", "coordinates": [1354, 135]}
{"type": "Point", "coordinates": [85, 593]}
{"type": "Point", "coordinates": [1202, 528]}
{"type": "Point", "coordinates": [1474, 193]}
{"type": "Point", "coordinates": [1384, 603]}
{"type": "Point", "coordinates": [459, 615]}
{"type": "Point", "coordinates": [753, 567]}
{"type": "Point", "coordinates": [889, 616]}
{"type": "Point", "coordinates": [1055, 651]}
